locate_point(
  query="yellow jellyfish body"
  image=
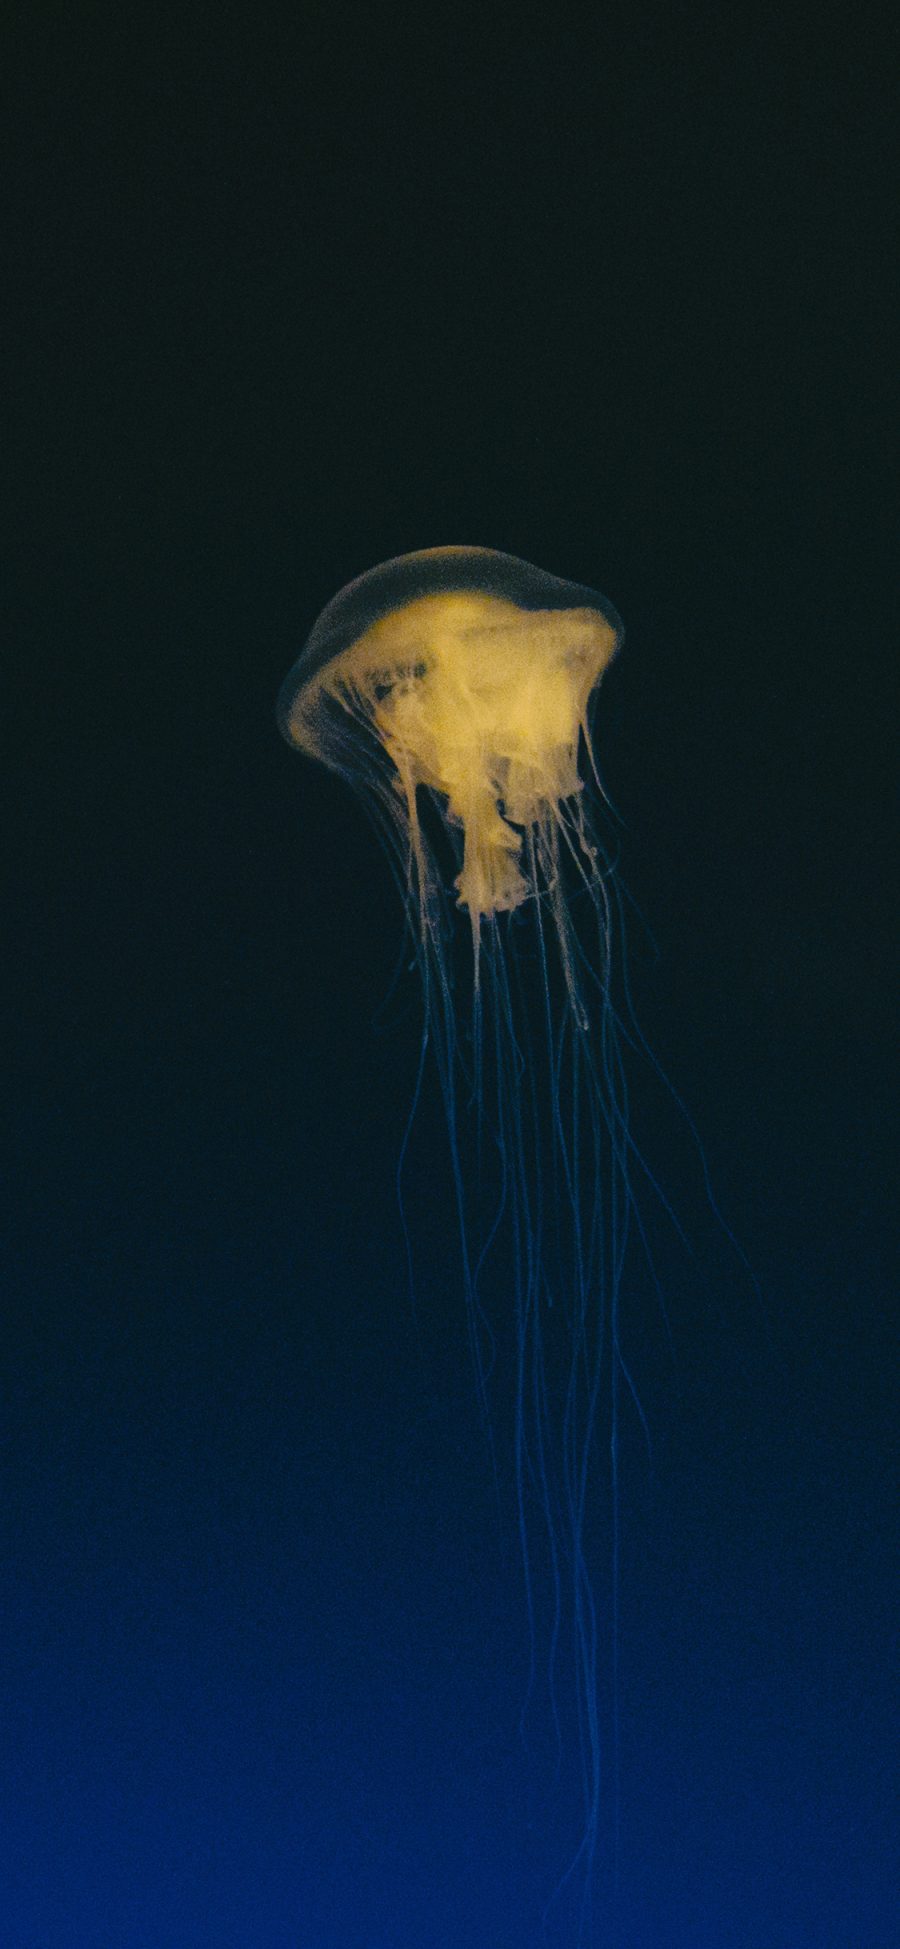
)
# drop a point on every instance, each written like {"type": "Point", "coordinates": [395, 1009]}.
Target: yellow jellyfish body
{"type": "Point", "coordinates": [473, 672]}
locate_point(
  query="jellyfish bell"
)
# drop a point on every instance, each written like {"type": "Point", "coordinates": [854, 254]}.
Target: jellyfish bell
{"type": "Point", "coordinates": [470, 673]}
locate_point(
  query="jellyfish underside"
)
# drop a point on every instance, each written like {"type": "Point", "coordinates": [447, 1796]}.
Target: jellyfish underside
{"type": "Point", "coordinates": [484, 703]}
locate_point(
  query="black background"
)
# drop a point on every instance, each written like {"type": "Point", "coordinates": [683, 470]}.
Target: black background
{"type": "Point", "coordinates": [294, 294]}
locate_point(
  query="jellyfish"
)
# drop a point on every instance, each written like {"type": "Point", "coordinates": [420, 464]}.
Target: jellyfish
{"type": "Point", "coordinates": [453, 689]}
